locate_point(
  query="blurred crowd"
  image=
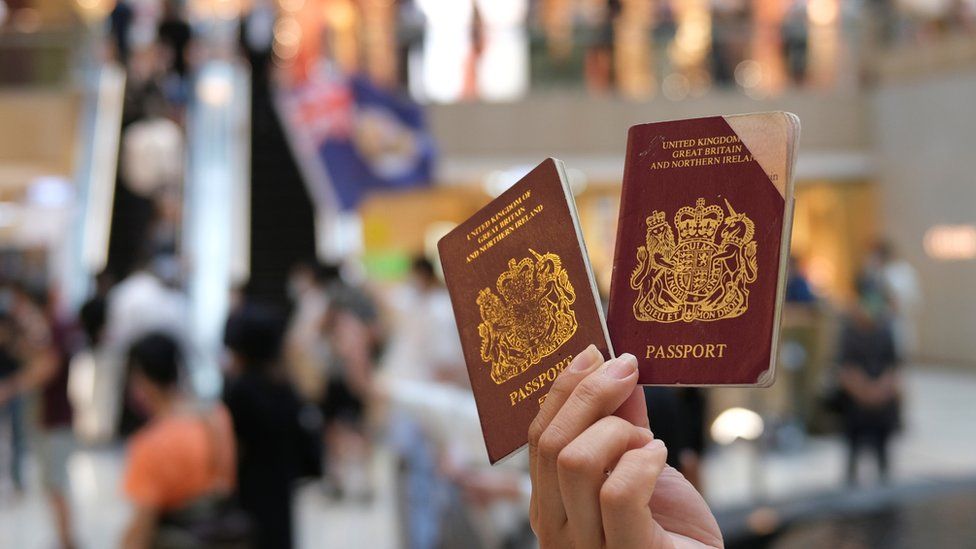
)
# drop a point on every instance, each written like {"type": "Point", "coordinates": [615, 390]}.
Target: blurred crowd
{"type": "Point", "coordinates": [306, 395]}
{"type": "Point", "coordinates": [311, 392]}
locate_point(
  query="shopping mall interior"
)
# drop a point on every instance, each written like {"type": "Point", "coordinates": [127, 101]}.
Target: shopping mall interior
{"type": "Point", "coordinates": [252, 192]}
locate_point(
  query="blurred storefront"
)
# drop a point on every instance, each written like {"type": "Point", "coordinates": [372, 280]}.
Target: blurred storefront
{"type": "Point", "coordinates": [504, 84]}
{"type": "Point", "coordinates": [830, 62]}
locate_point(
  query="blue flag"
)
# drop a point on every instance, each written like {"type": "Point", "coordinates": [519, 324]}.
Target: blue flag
{"type": "Point", "coordinates": [364, 138]}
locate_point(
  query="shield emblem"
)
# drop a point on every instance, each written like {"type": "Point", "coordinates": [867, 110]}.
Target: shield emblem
{"type": "Point", "coordinates": [693, 268]}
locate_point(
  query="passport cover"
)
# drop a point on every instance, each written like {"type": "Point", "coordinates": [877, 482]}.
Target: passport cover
{"type": "Point", "coordinates": [702, 246]}
{"type": "Point", "coordinates": [524, 299]}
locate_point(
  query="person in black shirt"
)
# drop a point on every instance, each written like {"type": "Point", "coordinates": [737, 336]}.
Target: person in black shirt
{"type": "Point", "coordinates": [174, 34]}
{"type": "Point", "coordinates": [677, 417]}
{"type": "Point", "coordinates": [868, 379]}
{"type": "Point", "coordinates": [120, 21]}
{"type": "Point", "coordinates": [274, 445]}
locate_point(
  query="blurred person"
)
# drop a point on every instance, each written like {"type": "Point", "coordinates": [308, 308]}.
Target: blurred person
{"type": "Point", "coordinates": [598, 62]}
{"type": "Point", "coordinates": [447, 495]}
{"type": "Point", "coordinates": [868, 380]}
{"type": "Point", "coordinates": [352, 329]}
{"type": "Point", "coordinates": [730, 41]}
{"type": "Point", "coordinates": [424, 344]}
{"type": "Point", "coordinates": [120, 22]}
{"type": "Point", "coordinates": [410, 22]}
{"type": "Point", "coordinates": [414, 397]}
{"type": "Point", "coordinates": [795, 41]}
{"type": "Point", "coordinates": [88, 385]}
{"type": "Point", "coordinates": [91, 383]}
{"type": "Point", "coordinates": [144, 95]}
{"type": "Point", "coordinates": [491, 500]}
{"type": "Point", "coordinates": [45, 348]}
{"type": "Point", "coordinates": [11, 404]}
{"type": "Point", "coordinates": [446, 491]}
{"type": "Point", "coordinates": [277, 441]}
{"type": "Point", "coordinates": [55, 434]}
{"type": "Point", "coordinates": [599, 476]}
{"type": "Point", "coordinates": [257, 37]}
{"type": "Point", "coordinates": [179, 463]}
{"type": "Point", "coordinates": [174, 35]}
{"type": "Point", "coordinates": [798, 288]}
{"type": "Point", "coordinates": [141, 303]}
{"type": "Point", "coordinates": [664, 418]}
{"type": "Point", "coordinates": [899, 283]}
{"type": "Point", "coordinates": [676, 416]}
{"type": "Point", "coordinates": [305, 350]}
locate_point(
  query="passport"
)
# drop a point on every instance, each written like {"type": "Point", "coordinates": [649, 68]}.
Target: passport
{"type": "Point", "coordinates": [524, 299]}
{"type": "Point", "coordinates": [702, 245]}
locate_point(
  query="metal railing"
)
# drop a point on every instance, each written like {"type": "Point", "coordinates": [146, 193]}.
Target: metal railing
{"type": "Point", "coordinates": [98, 137]}
{"type": "Point", "coordinates": [216, 235]}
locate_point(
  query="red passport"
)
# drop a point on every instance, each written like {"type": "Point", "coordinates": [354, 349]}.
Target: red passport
{"type": "Point", "coordinates": [524, 300]}
{"type": "Point", "coordinates": [702, 247]}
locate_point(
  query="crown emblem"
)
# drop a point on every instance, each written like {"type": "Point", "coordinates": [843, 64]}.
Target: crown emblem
{"type": "Point", "coordinates": [657, 221]}
{"type": "Point", "coordinates": [527, 317]}
{"type": "Point", "coordinates": [702, 275]}
{"type": "Point", "coordinates": [700, 222]}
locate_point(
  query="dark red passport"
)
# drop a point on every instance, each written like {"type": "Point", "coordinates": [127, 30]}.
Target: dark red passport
{"type": "Point", "coordinates": [702, 246]}
{"type": "Point", "coordinates": [524, 300]}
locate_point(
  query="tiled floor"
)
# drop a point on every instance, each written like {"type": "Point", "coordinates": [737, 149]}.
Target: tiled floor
{"type": "Point", "coordinates": [938, 442]}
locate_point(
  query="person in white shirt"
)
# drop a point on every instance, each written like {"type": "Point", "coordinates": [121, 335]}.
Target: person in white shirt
{"type": "Point", "coordinates": [425, 345]}
{"type": "Point", "coordinates": [434, 423]}
{"type": "Point", "coordinates": [140, 304]}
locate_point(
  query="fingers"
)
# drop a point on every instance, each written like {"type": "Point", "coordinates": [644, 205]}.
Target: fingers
{"type": "Point", "coordinates": [545, 492]}
{"type": "Point", "coordinates": [582, 467]}
{"type": "Point", "coordinates": [579, 368]}
{"type": "Point", "coordinates": [597, 395]}
{"type": "Point", "coordinates": [634, 409]}
{"type": "Point", "coordinates": [680, 510]}
{"type": "Point", "coordinates": [625, 498]}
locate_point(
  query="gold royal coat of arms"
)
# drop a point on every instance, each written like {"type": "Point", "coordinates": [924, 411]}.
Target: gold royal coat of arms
{"type": "Point", "coordinates": [704, 274]}
{"type": "Point", "coordinates": [529, 317]}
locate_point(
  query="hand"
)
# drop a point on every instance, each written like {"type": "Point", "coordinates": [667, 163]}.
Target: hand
{"type": "Point", "coordinates": [599, 477]}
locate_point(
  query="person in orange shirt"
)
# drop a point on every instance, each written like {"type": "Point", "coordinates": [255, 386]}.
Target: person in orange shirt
{"type": "Point", "coordinates": [186, 453]}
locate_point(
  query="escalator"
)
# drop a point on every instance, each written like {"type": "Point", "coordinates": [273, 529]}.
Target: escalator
{"type": "Point", "coordinates": [282, 218]}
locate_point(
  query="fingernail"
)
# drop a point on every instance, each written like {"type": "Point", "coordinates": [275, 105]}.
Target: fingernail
{"type": "Point", "coordinates": [583, 361]}
{"type": "Point", "coordinates": [654, 444]}
{"type": "Point", "coordinates": [621, 367]}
